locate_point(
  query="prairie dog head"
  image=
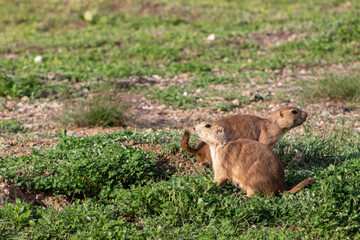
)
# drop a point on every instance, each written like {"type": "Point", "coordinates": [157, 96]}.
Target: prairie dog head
{"type": "Point", "coordinates": [288, 117]}
{"type": "Point", "coordinates": [211, 132]}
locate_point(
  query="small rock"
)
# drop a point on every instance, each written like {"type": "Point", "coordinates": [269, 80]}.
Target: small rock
{"type": "Point", "coordinates": [325, 113]}
{"type": "Point", "coordinates": [247, 93]}
{"type": "Point", "coordinates": [184, 75]}
{"type": "Point", "coordinates": [211, 37]}
{"type": "Point", "coordinates": [196, 116]}
{"type": "Point", "coordinates": [19, 105]}
{"type": "Point", "coordinates": [38, 59]}
{"type": "Point", "coordinates": [172, 120]}
{"type": "Point", "coordinates": [57, 76]}
{"type": "Point", "coordinates": [236, 102]}
{"type": "Point", "coordinates": [347, 4]}
{"type": "Point", "coordinates": [303, 71]}
{"type": "Point", "coordinates": [21, 110]}
{"type": "Point", "coordinates": [156, 77]}
{"type": "Point", "coordinates": [162, 107]}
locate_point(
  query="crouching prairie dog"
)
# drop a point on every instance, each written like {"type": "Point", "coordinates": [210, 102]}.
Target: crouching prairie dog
{"type": "Point", "coordinates": [250, 165]}
{"type": "Point", "coordinates": [265, 130]}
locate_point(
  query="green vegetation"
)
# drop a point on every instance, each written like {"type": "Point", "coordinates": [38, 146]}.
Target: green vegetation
{"type": "Point", "coordinates": [101, 110]}
{"type": "Point", "coordinates": [107, 40]}
{"type": "Point", "coordinates": [175, 97]}
{"type": "Point", "coordinates": [14, 87]}
{"type": "Point", "coordinates": [82, 167]}
{"type": "Point", "coordinates": [204, 53]}
{"type": "Point", "coordinates": [11, 126]}
{"type": "Point", "coordinates": [127, 197]}
{"type": "Point", "coordinates": [344, 87]}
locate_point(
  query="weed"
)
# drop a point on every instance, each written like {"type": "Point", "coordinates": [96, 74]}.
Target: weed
{"type": "Point", "coordinates": [123, 194]}
{"type": "Point", "coordinates": [11, 126]}
{"type": "Point", "coordinates": [126, 196]}
{"type": "Point", "coordinates": [97, 111]}
{"type": "Point", "coordinates": [15, 87]}
{"type": "Point", "coordinates": [82, 167]}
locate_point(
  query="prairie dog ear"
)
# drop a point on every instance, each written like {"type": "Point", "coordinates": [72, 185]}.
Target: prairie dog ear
{"type": "Point", "coordinates": [281, 114]}
{"type": "Point", "coordinates": [220, 130]}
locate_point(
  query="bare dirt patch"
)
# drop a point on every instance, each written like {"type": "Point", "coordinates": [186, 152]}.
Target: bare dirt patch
{"type": "Point", "coordinates": [276, 38]}
{"type": "Point", "coordinates": [269, 38]}
{"type": "Point", "coordinates": [176, 163]}
{"type": "Point", "coordinates": [151, 8]}
{"type": "Point", "coordinates": [9, 193]}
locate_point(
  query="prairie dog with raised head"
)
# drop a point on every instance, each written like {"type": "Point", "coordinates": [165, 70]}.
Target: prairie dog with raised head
{"type": "Point", "coordinates": [250, 165]}
{"type": "Point", "coordinates": [265, 130]}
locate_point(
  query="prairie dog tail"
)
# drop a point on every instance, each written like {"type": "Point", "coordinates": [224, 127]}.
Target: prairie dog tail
{"type": "Point", "coordinates": [301, 185]}
{"type": "Point", "coordinates": [185, 143]}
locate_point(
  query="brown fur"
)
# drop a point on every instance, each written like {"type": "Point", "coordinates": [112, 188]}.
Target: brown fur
{"type": "Point", "coordinates": [250, 165]}
{"type": "Point", "coordinates": [265, 130]}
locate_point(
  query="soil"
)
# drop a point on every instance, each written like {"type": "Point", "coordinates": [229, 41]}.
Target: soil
{"type": "Point", "coordinates": [9, 193]}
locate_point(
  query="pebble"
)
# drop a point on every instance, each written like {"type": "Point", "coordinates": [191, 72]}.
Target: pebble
{"type": "Point", "coordinates": [211, 37]}
{"type": "Point", "coordinates": [236, 102]}
{"type": "Point", "coordinates": [325, 113]}
{"type": "Point", "coordinates": [38, 59]}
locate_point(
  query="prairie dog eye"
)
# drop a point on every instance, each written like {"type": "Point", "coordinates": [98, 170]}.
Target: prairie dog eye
{"type": "Point", "coordinates": [294, 112]}
{"type": "Point", "coordinates": [207, 125]}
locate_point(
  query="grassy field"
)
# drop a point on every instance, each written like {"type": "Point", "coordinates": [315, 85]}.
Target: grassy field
{"type": "Point", "coordinates": [207, 56]}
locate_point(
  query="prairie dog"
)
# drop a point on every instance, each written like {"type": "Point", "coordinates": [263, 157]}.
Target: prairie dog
{"type": "Point", "coordinates": [250, 165]}
{"type": "Point", "coordinates": [265, 130]}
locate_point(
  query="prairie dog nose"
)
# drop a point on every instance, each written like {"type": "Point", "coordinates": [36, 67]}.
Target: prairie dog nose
{"type": "Point", "coordinates": [304, 115]}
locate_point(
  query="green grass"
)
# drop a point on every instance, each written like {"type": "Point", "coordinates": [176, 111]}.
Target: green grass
{"type": "Point", "coordinates": [127, 198]}
{"type": "Point", "coordinates": [123, 39]}
{"type": "Point", "coordinates": [102, 109]}
{"type": "Point", "coordinates": [344, 87]}
{"type": "Point", "coordinates": [11, 126]}
{"type": "Point", "coordinates": [72, 170]}
{"type": "Point", "coordinates": [117, 191]}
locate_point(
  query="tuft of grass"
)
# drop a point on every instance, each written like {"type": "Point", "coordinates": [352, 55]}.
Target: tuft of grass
{"type": "Point", "coordinates": [96, 111]}
{"type": "Point", "coordinates": [334, 86]}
